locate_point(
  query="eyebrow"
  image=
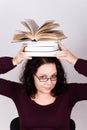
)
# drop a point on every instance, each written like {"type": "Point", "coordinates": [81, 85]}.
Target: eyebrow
{"type": "Point", "coordinates": [46, 74]}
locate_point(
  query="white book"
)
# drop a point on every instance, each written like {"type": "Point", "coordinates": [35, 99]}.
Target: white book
{"type": "Point", "coordinates": [41, 54]}
{"type": "Point", "coordinates": [42, 46]}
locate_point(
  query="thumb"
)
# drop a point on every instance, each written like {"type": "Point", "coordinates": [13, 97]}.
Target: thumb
{"type": "Point", "coordinates": [61, 47]}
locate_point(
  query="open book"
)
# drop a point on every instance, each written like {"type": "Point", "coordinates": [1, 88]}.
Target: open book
{"type": "Point", "coordinates": [35, 33]}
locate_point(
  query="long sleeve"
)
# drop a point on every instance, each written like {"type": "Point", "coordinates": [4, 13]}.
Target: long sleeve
{"type": "Point", "coordinates": [7, 88]}
{"type": "Point", "coordinates": [81, 66]}
{"type": "Point", "coordinates": [6, 64]}
{"type": "Point", "coordinates": [79, 90]}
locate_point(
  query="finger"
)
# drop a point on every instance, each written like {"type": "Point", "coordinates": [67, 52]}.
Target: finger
{"type": "Point", "coordinates": [24, 56]}
{"type": "Point", "coordinates": [23, 47]}
{"type": "Point", "coordinates": [61, 53]}
{"type": "Point", "coordinates": [61, 47]}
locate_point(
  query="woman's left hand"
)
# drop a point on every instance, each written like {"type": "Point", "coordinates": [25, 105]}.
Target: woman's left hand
{"type": "Point", "coordinates": [65, 54]}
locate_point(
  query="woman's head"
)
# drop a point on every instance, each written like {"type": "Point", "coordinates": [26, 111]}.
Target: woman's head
{"type": "Point", "coordinates": [40, 69]}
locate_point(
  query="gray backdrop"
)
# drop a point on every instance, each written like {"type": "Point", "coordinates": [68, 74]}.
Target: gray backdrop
{"type": "Point", "coordinates": [72, 16]}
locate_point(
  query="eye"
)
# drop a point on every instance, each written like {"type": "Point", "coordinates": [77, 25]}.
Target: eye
{"type": "Point", "coordinates": [54, 76]}
{"type": "Point", "coordinates": [42, 77]}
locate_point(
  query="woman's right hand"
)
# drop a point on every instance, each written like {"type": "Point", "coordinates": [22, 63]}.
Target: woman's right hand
{"type": "Point", "coordinates": [20, 56]}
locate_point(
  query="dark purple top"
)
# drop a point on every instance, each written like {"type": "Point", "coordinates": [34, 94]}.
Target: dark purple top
{"type": "Point", "coordinates": [33, 116]}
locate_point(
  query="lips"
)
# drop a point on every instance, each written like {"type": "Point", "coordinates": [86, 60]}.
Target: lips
{"type": "Point", "coordinates": [47, 88]}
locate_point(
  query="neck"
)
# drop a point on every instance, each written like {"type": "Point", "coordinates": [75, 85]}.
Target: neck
{"type": "Point", "coordinates": [43, 95]}
{"type": "Point", "coordinates": [44, 99]}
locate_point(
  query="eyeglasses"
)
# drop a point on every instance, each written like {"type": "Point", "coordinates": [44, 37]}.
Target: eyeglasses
{"type": "Point", "coordinates": [45, 79]}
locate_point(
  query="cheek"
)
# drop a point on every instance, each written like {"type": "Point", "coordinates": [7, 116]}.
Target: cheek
{"type": "Point", "coordinates": [37, 83]}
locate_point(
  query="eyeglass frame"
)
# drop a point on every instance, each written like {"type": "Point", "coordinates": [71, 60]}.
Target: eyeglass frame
{"type": "Point", "coordinates": [46, 78]}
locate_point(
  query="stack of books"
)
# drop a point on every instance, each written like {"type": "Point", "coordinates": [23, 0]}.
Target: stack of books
{"type": "Point", "coordinates": [41, 48]}
{"type": "Point", "coordinates": [41, 40]}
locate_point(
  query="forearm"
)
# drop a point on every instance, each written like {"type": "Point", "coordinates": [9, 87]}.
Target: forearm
{"type": "Point", "coordinates": [6, 64]}
{"type": "Point", "coordinates": [81, 66]}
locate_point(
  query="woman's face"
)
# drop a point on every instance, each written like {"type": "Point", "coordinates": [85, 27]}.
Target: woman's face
{"type": "Point", "coordinates": [45, 78]}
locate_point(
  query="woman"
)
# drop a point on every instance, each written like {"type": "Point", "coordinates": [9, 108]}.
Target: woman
{"type": "Point", "coordinates": [43, 99]}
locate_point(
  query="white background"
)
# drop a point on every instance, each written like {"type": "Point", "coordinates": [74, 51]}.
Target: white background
{"type": "Point", "coordinates": [72, 16]}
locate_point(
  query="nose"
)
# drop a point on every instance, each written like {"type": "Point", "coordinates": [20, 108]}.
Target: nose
{"type": "Point", "coordinates": [49, 81]}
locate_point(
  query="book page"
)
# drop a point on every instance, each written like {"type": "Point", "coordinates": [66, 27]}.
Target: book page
{"type": "Point", "coordinates": [47, 26]}
{"type": "Point", "coordinates": [35, 33]}
{"type": "Point", "coordinates": [32, 25]}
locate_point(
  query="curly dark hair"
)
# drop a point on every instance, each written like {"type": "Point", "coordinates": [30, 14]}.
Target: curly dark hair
{"type": "Point", "coordinates": [31, 68]}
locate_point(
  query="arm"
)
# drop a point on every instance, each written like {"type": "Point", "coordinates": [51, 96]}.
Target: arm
{"type": "Point", "coordinates": [8, 63]}
{"type": "Point", "coordinates": [79, 64]}
{"type": "Point", "coordinates": [10, 88]}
